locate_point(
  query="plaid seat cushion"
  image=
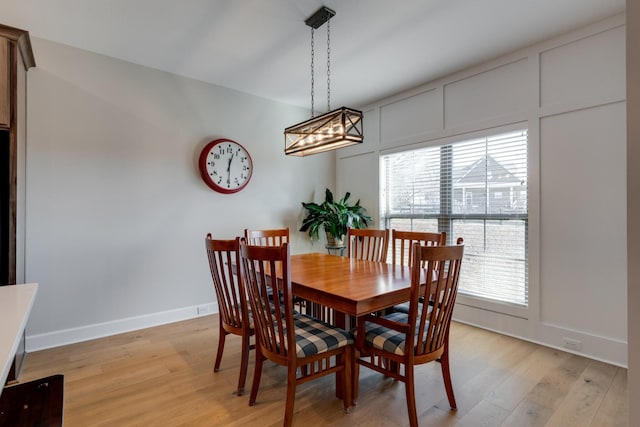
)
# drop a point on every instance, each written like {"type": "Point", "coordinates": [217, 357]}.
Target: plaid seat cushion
{"type": "Point", "coordinates": [235, 321]}
{"type": "Point", "coordinates": [387, 339]}
{"type": "Point", "coordinates": [251, 325]}
{"type": "Point", "coordinates": [314, 336]}
{"type": "Point", "coordinates": [402, 308]}
{"type": "Point", "coordinates": [273, 309]}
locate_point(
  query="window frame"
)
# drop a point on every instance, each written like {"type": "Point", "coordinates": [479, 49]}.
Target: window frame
{"type": "Point", "coordinates": [473, 301]}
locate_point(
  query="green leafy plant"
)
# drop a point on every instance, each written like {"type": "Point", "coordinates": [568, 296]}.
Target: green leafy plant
{"type": "Point", "coordinates": [333, 216]}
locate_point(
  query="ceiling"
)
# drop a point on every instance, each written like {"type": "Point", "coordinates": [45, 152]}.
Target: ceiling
{"type": "Point", "coordinates": [262, 47]}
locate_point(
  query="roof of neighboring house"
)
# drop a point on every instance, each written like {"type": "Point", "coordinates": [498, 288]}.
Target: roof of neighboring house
{"type": "Point", "coordinates": [485, 166]}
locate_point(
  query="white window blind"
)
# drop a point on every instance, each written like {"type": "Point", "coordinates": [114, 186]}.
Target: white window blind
{"type": "Point", "coordinates": [474, 189]}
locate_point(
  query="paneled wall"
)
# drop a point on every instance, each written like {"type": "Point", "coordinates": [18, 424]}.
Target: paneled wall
{"type": "Point", "coordinates": [570, 93]}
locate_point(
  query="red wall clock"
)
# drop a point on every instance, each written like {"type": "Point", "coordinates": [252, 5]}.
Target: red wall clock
{"type": "Point", "coordinates": [225, 166]}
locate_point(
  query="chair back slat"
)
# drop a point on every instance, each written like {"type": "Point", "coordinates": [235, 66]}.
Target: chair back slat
{"type": "Point", "coordinates": [230, 293]}
{"type": "Point", "coordinates": [270, 299]}
{"type": "Point", "coordinates": [274, 237]}
{"type": "Point", "coordinates": [402, 244]}
{"type": "Point", "coordinates": [439, 267]}
{"type": "Point", "coordinates": [367, 244]}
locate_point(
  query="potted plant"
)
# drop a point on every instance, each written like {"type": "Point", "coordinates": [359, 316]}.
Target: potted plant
{"type": "Point", "coordinates": [334, 217]}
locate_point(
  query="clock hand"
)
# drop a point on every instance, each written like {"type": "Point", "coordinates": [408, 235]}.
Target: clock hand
{"type": "Point", "coordinates": [229, 165]}
{"type": "Point", "coordinates": [229, 169]}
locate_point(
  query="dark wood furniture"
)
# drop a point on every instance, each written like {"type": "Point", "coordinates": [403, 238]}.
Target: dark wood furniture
{"type": "Point", "coordinates": [308, 347]}
{"type": "Point", "coordinates": [223, 256]}
{"type": "Point", "coordinates": [402, 243]}
{"type": "Point", "coordinates": [16, 57]}
{"type": "Point", "coordinates": [273, 237]}
{"type": "Point", "coordinates": [369, 244]}
{"type": "Point", "coordinates": [35, 403]}
{"type": "Point", "coordinates": [401, 250]}
{"type": "Point", "coordinates": [395, 343]}
{"type": "Point", "coordinates": [349, 286]}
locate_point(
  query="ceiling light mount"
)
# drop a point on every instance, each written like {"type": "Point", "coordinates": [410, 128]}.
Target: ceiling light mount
{"type": "Point", "coordinates": [335, 129]}
{"type": "Point", "coordinates": [319, 18]}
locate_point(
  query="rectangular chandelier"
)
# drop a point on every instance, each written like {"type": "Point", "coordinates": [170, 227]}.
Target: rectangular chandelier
{"type": "Point", "coordinates": [330, 131]}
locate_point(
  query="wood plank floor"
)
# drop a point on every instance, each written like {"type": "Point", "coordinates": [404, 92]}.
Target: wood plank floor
{"type": "Point", "coordinates": [163, 376]}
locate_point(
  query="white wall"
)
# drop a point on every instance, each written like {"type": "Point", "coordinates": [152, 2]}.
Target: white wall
{"type": "Point", "coordinates": [633, 206]}
{"type": "Point", "coordinates": [570, 92]}
{"type": "Point", "coordinates": [116, 212]}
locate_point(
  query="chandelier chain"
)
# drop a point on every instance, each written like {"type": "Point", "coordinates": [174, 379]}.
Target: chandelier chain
{"type": "Point", "coordinates": [312, 72]}
{"type": "Point", "coordinates": [329, 64]}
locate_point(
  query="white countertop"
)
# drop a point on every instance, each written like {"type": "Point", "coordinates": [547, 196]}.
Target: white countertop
{"type": "Point", "coordinates": [15, 305]}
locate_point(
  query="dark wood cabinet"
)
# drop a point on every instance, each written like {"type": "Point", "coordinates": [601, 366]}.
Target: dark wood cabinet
{"type": "Point", "coordinates": [16, 57]}
{"type": "Point", "coordinates": [5, 108]}
{"type": "Point", "coordinates": [35, 403]}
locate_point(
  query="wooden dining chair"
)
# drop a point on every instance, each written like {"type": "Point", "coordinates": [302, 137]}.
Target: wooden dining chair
{"type": "Point", "coordinates": [395, 343]}
{"type": "Point", "coordinates": [273, 237]}
{"type": "Point", "coordinates": [402, 243]}
{"type": "Point", "coordinates": [401, 247]}
{"type": "Point", "coordinates": [367, 244]}
{"type": "Point", "coordinates": [233, 308]}
{"type": "Point", "coordinates": [308, 347]}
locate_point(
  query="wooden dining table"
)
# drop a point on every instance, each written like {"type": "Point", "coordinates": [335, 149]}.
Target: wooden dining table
{"type": "Point", "coordinates": [349, 286]}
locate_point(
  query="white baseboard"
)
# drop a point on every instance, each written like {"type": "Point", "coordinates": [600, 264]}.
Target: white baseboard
{"type": "Point", "coordinates": [604, 349]}
{"type": "Point", "coordinates": [100, 330]}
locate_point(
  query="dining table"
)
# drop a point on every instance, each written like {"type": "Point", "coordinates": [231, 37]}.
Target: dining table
{"type": "Point", "coordinates": [349, 286]}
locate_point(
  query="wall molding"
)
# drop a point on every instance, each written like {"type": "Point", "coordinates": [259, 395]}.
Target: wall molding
{"type": "Point", "coordinates": [100, 330]}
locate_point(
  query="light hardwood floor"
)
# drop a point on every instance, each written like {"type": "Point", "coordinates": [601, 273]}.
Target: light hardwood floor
{"type": "Point", "coordinates": [163, 376]}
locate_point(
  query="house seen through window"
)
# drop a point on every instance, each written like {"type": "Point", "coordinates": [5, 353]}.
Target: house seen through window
{"type": "Point", "coordinates": [475, 189]}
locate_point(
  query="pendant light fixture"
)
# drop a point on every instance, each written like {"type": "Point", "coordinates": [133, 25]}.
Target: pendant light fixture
{"type": "Point", "coordinates": [335, 129]}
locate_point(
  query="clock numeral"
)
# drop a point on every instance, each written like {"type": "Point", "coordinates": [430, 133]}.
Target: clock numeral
{"type": "Point", "coordinates": [216, 156]}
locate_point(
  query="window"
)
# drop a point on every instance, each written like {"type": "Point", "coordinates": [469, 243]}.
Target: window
{"type": "Point", "coordinates": [475, 189]}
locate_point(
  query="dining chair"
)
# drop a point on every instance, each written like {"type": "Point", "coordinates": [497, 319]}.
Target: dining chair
{"type": "Point", "coordinates": [233, 308]}
{"type": "Point", "coordinates": [308, 347]}
{"type": "Point", "coordinates": [272, 237]}
{"type": "Point", "coordinates": [395, 343]}
{"type": "Point", "coordinates": [367, 244]}
{"type": "Point", "coordinates": [402, 243]}
{"type": "Point", "coordinates": [401, 246]}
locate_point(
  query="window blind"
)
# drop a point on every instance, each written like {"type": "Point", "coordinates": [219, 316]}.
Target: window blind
{"type": "Point", "coordinates": [475, 189]}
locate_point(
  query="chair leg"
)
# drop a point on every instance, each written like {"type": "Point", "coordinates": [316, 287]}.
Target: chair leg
{"type": "Point", "coordinates": [446, 376]}
{"type": "Point", "coordinates": [411, 397]}
{"type": "Point", "coordinates": [221, 336]}
{"type": "Point", "coordinates": [257, 374]}
{"type": "Point", "coordinates": [356, 377]}
{"type": "Point", "coordinates": [244, 363]}
{"type": "Point", "coordinates": [346, 376]}
{"type": "Point", "coordinates": [394, 366]}
{"type": "Point", "coordinates": [291, 396]}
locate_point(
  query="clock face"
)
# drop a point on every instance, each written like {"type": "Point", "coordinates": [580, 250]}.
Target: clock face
{"type": "Point", "coordinates": [225, 166]}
